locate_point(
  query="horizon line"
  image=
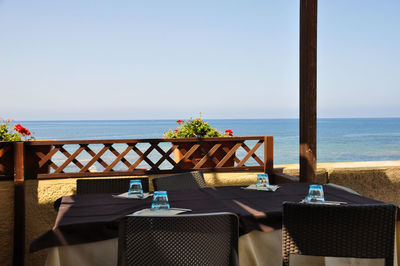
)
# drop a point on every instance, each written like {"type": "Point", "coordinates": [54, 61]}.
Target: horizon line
{"type": "Point", "coordinates": [169, 119]}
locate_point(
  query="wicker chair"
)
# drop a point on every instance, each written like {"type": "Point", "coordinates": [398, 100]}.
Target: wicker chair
{"type": "Point", "coordinates": [189, 180]}
{"type": "Point", "coordinates": [112, 185]}
{"type": "Point", "coordinates": [354, 231]}
{"type": "Point", "coordinates": [95, 186]}
{"type": "Point", "coordinates": [198, 239]}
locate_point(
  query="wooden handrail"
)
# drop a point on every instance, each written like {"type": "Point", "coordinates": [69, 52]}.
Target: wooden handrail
{"type": "Point", "coordinates": [112, 141]}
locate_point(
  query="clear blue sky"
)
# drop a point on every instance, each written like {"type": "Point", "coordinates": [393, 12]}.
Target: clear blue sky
{"type": "Point", "coordinates": [166, 59]}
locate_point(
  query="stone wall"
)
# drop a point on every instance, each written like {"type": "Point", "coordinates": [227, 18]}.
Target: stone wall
{"type": "Point", "coordinates": [379, 180]}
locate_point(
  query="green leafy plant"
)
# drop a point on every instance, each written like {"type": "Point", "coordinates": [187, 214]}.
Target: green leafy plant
{"type": "Point", "coordinates": [195, 128]}
{"type": "Point", "coordinates": [10, 132]}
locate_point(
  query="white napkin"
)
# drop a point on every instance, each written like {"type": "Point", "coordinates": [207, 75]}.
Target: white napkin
{"type": "Point", "coordinates": [161, 212]}
{"type": "Point", "coordinates": [126, 195]}
{"type": "Point", "coordinates": [324, 202]}
{"type": "Point", "coordinates": [269, 188]}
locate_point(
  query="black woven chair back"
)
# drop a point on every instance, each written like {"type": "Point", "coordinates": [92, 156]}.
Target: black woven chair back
{"type": "Point", "coordinates": [200, 239]}
{"type": "Point", "coordinates": [355, 231]}
{"type": "Point", "coordinates": [189, 180]}
{"type": "Point", "coordinates": [111, 185]}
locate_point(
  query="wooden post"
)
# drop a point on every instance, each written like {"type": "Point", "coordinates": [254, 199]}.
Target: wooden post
{"type": "Point", "coordinates": [19, 204]}
{"type": "Point", "coordinates": [308, 90]}
{"type": "Point", "coordinates": [268, 154]}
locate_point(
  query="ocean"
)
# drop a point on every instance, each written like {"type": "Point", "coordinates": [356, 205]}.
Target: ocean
{"type": "Point", "coordinates": [339, 140]}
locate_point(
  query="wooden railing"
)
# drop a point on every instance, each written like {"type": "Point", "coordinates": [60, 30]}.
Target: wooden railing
{"type": "Point", "coordinates": [90, 158]}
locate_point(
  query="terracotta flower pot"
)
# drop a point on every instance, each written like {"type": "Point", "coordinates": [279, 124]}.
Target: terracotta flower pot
{"type": "Point", "coordinates": [199, 154]}
{"type": "Point", "coordinates": [6, 159]}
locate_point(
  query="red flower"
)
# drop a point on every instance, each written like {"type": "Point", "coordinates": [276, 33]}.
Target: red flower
{"type": "Point", "coordinates": [21, 130]}
{"type": "Point", "coordinates": [229, 132]}
{"type": "Point", "coordinates": [18, 127]}
{"type": "Point", "coordinates": [179, 121]}
{"type": "Point", "coordinates": [176, 131]}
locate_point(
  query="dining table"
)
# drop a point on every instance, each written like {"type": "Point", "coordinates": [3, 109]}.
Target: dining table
{"type": "Point", "coordinates": [86, 227]}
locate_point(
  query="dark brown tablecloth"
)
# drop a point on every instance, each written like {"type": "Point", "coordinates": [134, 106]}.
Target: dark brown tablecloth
{"type": "Point", "coordinates": [95, 217]}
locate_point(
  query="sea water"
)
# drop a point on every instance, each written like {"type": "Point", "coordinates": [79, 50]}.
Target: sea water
{"type": "Point", "coordinates": [339, 140]}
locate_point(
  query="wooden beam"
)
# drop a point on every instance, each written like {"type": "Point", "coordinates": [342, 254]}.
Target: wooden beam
{"type": "Point", "coordinates": [19, 204]}
{"type": "Point", "coordinates": [308, 90]}
{"type": "Point", "coordinates": [268, 154]}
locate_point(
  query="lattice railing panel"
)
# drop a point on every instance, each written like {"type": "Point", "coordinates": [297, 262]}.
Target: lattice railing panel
{"type": "Point", "coordinates": [254, 158]}
{"type": "Point", "coordinates": [58, 159]}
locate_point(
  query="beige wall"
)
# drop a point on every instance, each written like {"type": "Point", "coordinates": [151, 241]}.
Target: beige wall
{"type": "Point", "coordinates": [379, 180]}
{"type": "Point", "coordinates": [40, 214]}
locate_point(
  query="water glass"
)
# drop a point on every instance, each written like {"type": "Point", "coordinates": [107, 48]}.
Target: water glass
{"type": "Point", "coordinates": [160, 200]}
{"type": "Point", "coordinates": [135, 187]}
{"type": "Point", "coordinates": [315, 194]}
{"type": "Point", "coordinates": [262, 180]}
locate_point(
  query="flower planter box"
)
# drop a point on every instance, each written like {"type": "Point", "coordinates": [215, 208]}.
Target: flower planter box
{"type": "Point", "coordinates": [6, 159]}
{"type": "Point", "coordinates": [199, 154]}
{"type": "Point", "coordinates": [31, 160]}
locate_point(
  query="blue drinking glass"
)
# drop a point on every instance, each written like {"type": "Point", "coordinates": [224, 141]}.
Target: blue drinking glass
{"type": "Point", "coordinates": [315, 194]}
{"type": "Point", "coordinates": [262, 180]}
{"type": "Point", "coordinates": [135, 187]}
{"type": "Point", "coordinates": [160, 200]}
